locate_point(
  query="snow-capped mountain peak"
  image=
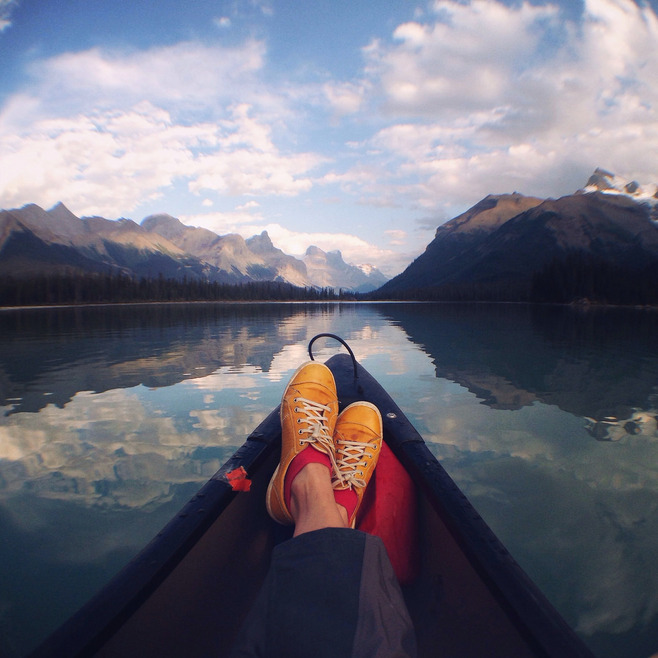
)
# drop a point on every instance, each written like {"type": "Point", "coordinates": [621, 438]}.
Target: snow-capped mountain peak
{"type": "Point", "coordinates": [329, 269]}
{"type": "Point", "coordinates": [366, 268]}
{"type": "Point", "coordinates": [609, 183]}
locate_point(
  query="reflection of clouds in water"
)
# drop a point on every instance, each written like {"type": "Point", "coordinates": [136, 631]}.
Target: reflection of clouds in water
{"type": "Point", "coordinates": [122, 448]}
{"type": "Point", "coordinates": [232, 425]}
{"type": "Point", "coordinates": [287, 360]}
{"type": "Point", "coordinates": [109, 449]}
{"type": "Point", "coordinates": [386, 350]}
{"type": "Point", "coordinates": [580, 515]}
{"type": "Point", "coordinates": [620, 580]}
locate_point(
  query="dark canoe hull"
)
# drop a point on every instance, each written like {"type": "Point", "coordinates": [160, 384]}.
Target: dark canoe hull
{"type": "Point", "coordinates": [187, 592]}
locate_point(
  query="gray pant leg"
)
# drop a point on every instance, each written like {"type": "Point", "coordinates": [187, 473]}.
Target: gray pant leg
{"type": "Point", "coordinates": [330, 593]}
{"type": "Point", "coordinates": [384, 629]}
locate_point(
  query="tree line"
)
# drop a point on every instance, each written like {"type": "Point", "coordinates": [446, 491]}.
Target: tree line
{"type": "Point", "coordinates": [571, 278]}
{"type": "Point", "coordinates": [76, 288]}
{"type": "Point", "coordinates": [583, 277]}
{"type": "Point", "coordinates": [574, 277]}
{"type": "Point", "coordinates": [478, 291]}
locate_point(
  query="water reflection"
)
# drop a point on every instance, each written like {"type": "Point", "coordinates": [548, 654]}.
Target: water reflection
{"type": "Point", "coordinates": [113, 419]}
{"type": "Point", "coordinates": [50, 355]}
{"type": "Point", "coordinates": [579, 514]}
{"type": "Point", "coordinates": [115, 416]}
{"type": "Point", "coordinates": [597, 364]}
{"type": "Point", "coordinates": [101, 381]}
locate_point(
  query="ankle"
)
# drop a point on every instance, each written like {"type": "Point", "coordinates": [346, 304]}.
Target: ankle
{"type": "Point", "coordinates": [306, 458]}
{"type": "Point", "coordinates": [314, 477]}
{"type": "Point", "coordinates": [344, 514]}
{"type": "Point", "coordinates": [312, 504]}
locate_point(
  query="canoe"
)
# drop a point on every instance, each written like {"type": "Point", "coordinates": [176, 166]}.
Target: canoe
{"type": "Point", "coordinates": [188, 590]}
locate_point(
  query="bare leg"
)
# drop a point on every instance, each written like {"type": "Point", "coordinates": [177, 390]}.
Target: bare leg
{"type": "Point", "coordinates": [312, 503]}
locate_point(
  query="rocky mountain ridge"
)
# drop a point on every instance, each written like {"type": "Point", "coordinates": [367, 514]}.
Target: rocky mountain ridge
{"type": "Point", "coordinates": [36, 241]}
{"type": "Point", "coordinates": [609, 183]}
{"type": "Point", "coordinates": [503, 248]}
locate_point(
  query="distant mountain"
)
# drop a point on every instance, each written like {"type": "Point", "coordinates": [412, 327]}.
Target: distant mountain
{"type": "Point", "coordinates": [608, 183]}
{"type": "Point", "coordinates": [230, 254]}
{"type": "Point", "coordinates": [507, 247]}
{"type": "Point", "coordinates": [257, 258]}
{"type": "Point", "coordinates": [35, 241]}
{"type": "Point", "coordinates": [328, 269]}
{"type": "Point", "coordinates": [287, 267]}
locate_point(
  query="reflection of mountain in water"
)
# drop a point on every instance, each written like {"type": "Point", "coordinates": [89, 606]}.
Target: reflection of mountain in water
{"type": "Point", "coordinates": [132, 449]}
{"type": "Point", "coordinates": [600, 364]}
{"type": "Point", "coordinates": [49, 355]}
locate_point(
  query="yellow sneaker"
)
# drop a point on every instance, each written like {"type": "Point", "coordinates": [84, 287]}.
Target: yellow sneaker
{"type": "Point", "coordinates": [357, 441]}
{"type": "Point", "coordinates": [309, 408]}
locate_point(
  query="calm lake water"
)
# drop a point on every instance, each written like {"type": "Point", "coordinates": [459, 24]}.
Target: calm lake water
{"type": "Point", "coordinates": [113, 417]}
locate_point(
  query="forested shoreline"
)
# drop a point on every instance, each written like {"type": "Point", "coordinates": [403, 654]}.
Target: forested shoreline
{"type": "Point", "coordinates": [575, 278]}
{"type": "Point", "coordinates": [59, 289]}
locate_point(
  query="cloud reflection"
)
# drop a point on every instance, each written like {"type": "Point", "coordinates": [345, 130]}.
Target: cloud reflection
{"type": "Point", "coordinates": [104, 450]}
{"type": "Point", "coordinates": [213, 372]}
{"type": "Point", "coordinates": [547, 420]}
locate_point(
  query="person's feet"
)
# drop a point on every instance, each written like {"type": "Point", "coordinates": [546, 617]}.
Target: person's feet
{"type": "Point", "coordinates": [309, 409]}
{"type": "Point", "coordinates": [326, 460]}
{"type": "Point", "coordinates": [357, 441]}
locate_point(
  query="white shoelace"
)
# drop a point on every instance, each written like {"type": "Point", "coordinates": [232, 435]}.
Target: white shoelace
{"type": "Point", "coordinates": [316, 429]}
{"type": "Point", "coordinates": [349, 456]}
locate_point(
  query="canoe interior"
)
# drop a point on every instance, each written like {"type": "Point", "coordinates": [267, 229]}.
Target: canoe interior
{"type": "Point", "coordinates": [189, 590]}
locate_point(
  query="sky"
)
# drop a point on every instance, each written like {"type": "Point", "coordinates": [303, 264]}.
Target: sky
{"type": "Point", "coordinates": [358, 125]}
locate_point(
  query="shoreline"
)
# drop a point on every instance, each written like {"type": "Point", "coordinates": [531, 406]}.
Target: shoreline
{"type": "Point", "coordinates": [577, 305]}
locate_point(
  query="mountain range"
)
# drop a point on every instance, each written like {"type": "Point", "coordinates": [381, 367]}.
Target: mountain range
{"type": "Point", "coordinates": [34, 241]}
{"type": "Point", "coordinates": [600, 242]}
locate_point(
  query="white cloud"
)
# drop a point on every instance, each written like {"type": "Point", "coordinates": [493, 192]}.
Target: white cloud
{"type": "Point", "coordinates": [345, 98]}
{"type": "Point", "coordinates": [109, 162]}
{"type": "Point", "coordinates": [248, 162]}
{"type": "Point", "coordinates": [105, 162]}
{"type": "Point", "coordinates": [80, 131]}
{"type": "Point", "coordinates": [184, 75]}
{"type": "Point", "coordinates": [501, 98]}
{"type": "Point", "coordinates": [249, 205]}
{"type": "Point", "coordinates": [396, 237]}
{"type": "Point", "coordinates": [240, 221]}
{"type": "Point", "coordinates": [466, 58]}
{"type": "Point", "coordinates": [222, 22]}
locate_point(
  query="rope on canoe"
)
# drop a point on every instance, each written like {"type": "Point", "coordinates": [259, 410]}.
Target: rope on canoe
{"type": "Point", "coordinates": [341, 341]}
